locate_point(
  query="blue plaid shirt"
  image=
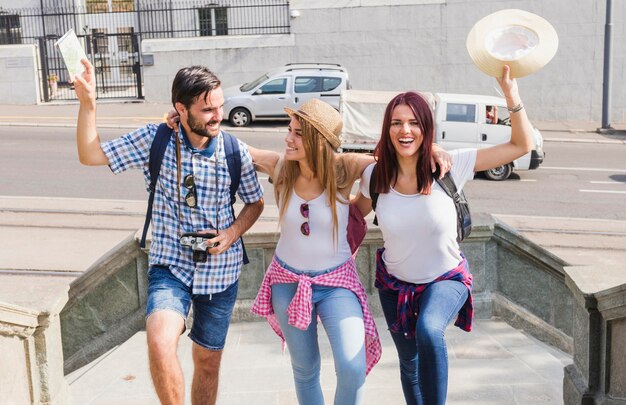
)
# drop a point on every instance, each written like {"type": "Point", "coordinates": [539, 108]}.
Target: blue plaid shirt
{"type": "Point", "coordinates": [213, 210]}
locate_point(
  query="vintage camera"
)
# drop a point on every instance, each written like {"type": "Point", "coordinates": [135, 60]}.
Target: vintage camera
{"type": "Point", "coordinates": [198, 242]}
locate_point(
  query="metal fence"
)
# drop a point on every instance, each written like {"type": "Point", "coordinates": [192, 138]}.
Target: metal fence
{"type": "Point", "coordinates": [150, 19]}
{"type": "Point", "coordinates": [111, 30]}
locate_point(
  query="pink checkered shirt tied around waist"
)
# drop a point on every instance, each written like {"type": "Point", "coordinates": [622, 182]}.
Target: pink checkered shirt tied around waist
{"type": "Point", "coordinates": [300, 308]}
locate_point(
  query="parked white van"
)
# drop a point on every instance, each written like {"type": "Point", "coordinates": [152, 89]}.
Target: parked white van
{"type": "Point", "coordinates": [288, 86]}
{"type": "Point", "coordinates": [461, 121]}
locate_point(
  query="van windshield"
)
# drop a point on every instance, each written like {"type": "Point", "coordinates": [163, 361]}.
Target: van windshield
{"type": "Point", "coordinates": [249, 86]}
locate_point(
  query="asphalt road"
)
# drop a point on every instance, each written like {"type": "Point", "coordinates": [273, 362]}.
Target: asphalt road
{"type": "Point", "coordinates": [579, 180]}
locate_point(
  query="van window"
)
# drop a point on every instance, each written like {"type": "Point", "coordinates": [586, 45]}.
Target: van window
{"type": "Point", "coordinates": [308, 84]}
{"type": "Point", "coordinates": [330, 83]}
{"type": "Point", "coordinates": [461, 112]}
{"type": "Point", "coordinates": [276, 86]}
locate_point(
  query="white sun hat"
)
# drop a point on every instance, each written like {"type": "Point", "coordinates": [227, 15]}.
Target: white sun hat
{"type": "Point", "coordinates": [524, 41]}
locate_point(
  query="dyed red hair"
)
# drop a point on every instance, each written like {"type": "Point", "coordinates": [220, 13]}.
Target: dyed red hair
{"type": "Point", "coordinates": [386, 171]}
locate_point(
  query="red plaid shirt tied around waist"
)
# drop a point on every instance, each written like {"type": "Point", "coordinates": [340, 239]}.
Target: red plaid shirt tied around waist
{"type": "Point", "coordinates": [409, 295]}
{"type": "Point", "coordinates": [300, 308]}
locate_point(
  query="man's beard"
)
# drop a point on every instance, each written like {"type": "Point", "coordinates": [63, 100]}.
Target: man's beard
{"type": "Point", "coordinates": [197, 127]}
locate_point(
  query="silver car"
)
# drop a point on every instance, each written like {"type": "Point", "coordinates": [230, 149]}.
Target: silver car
{"type": "Point", "coordinates": [288, 86]}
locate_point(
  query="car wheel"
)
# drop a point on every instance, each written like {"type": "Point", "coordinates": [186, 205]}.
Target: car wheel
{"type": "Point", "coordinates": [499, 173]}
{"type": "Point", "coordinates": [240, 117]}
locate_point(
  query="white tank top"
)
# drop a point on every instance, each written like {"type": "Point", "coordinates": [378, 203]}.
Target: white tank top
{"type": "Point", "coordinates": [317, 251]}
{"type": "Point", "coordinates": [419, 231]}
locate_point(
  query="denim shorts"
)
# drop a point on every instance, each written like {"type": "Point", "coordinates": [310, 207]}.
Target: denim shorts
{"type": "Point", "coordinates": [211, 312]}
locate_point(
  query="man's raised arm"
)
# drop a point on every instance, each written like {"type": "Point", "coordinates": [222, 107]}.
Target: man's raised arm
{"type": "Point", "coordinates": [87, 139]}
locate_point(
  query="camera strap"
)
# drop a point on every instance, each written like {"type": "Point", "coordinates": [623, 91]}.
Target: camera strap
{"type": "Point", "coordinates": [178, 181]}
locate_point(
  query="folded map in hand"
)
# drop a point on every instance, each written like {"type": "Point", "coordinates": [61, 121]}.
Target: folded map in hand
{"type": "Point", "coordinates": [72, 52]}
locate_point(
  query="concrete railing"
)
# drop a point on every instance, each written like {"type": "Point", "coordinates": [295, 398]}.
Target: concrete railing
{"type": "Point", "coordinates": [106, 305]}
{"type": "Point", "coordinates": [580, 310]}
{"type": "Point", "coordinates": [31, 358]}
{"type": "Point", "coordinates": [598, 374]}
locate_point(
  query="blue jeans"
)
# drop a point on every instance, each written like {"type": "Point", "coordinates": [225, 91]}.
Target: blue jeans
{"type": "Point", "coordinates": [424, 359]}
{"type": "Point", "coordinates": [211, 313]}
{"type": "Point", "coordinates": [341, 314]}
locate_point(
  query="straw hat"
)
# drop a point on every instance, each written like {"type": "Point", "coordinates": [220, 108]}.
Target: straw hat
{"type": "Point", "coordinates": [321, 116]}
{"type": "Point", "coordinates": [522, 40]}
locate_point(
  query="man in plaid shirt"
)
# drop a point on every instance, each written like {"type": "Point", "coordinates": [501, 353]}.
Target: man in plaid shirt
{"type": "Point", "coordinates": [192, 195]}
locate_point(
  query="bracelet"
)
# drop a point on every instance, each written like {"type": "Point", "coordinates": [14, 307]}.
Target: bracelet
{"type": "Point", "coordinates": [516, 108]}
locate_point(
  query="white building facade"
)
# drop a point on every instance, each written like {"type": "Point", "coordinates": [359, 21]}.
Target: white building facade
{"type": "Point", "coordinates": [390, 45]}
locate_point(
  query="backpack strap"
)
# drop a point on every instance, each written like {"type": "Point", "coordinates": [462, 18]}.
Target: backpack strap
{"type": "Point", "coordinates": [460, 204]}
{"type": "Point", "coordinates": [373, 195]}
{"type": "Point", "coordinates": [233, 160]}
{"type": "Point", "coordinates": [157, 151]}
{"type": "Point", "coordinates": [448, 185]}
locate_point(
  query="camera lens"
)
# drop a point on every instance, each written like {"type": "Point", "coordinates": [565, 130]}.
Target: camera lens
{"type": "Point", "coordinates": [200, 256]}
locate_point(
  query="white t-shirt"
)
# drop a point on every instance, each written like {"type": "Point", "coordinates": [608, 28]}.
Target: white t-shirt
{"type": "Point", "coordinates": [419, 231]}
{"type": "Point", "coordinates": [317, 251]}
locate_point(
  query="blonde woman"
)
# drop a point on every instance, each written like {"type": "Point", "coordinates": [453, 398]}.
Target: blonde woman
{"type": "Point", "coordinates": [313, 273]}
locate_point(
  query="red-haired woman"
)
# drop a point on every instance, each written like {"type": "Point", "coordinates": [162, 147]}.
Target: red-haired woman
{"type": "Point", "coordinates": [422, 276]}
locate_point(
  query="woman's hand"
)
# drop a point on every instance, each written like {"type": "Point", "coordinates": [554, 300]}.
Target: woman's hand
{"type": "Point", "coordinates": [509, 86]}
{"type": "Point", "coordinates": [172, 119]}
{"type": "Point", "coordinates": [442, 158]}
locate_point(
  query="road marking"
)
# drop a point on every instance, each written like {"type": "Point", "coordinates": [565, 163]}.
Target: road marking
{"type": "Point", "coordinates": [528, 180]}
{"type": "Point", "coordinates": [603, 191]}
{"type": "Point", "coordinates": [608, 182]}
{"type": "Point", "coordinates": [584, 169]}
{"type": "Point", "coordinates": [567, 219]}
{"type": "Point", "coordinates": [569, 231]}
{"type": "Point", "coordinates": [73, 118]}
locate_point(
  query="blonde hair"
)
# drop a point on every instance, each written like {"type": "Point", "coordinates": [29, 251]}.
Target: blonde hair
{"type": "Point", "coordinates": [320, 157]}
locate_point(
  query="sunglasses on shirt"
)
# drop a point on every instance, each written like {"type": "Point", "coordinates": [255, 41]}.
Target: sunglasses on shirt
{"type": "Point", "coordinates": [304, 211]}
{"type": "Point", "coordinates": [190, 184]}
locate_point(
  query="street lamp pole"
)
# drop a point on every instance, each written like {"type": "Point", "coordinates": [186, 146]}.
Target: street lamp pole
{"type": "Point", "coordinates": [606, 83]}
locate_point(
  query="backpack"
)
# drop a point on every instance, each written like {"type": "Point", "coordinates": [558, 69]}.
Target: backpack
{"type": "Point", "coordinates": [157, 151]}
{"type": "Point", "coordinates": [464, 219]}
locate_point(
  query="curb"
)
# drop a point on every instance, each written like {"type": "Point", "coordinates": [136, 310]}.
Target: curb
{"type": "Point", "coordinates": [128, 126]}
{"type": "Point", "coordinates": [574, 140]}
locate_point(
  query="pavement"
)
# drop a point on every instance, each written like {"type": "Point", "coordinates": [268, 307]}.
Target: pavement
{"type": "Point", "coordinates": [495, 364]}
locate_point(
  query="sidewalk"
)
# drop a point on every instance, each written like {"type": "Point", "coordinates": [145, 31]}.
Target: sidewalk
{"type": "Point", "coordinates": [494, 364]}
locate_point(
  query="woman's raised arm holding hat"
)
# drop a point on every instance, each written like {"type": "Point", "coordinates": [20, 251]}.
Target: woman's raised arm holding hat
{"type": "Point", "coordinates": [521, 141]}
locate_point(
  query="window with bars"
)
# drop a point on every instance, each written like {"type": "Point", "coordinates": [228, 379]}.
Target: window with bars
{"type": "Point", "coordinates": [213, 21]}
{"type": "Point", "coordinates": [97, 6]}
{"type": "Point", "coordinates": [105, 6]}
{"type": "Point", "coordinates": [10, 29]}
{"type": "Point", "coordinates": [122, 5]}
